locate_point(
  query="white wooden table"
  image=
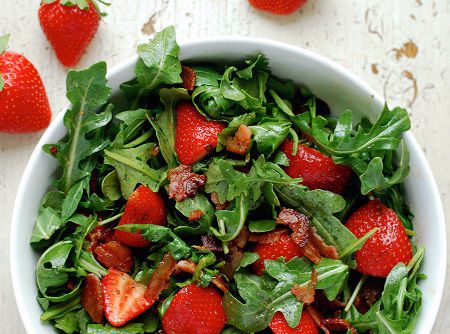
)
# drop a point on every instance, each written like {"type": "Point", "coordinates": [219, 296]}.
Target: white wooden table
{"type": "Point", "coordinates": [368, 37]}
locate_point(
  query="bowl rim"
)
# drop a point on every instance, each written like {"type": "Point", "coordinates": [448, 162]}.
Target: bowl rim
{"type": "Point", "coordinates": [20, 297]}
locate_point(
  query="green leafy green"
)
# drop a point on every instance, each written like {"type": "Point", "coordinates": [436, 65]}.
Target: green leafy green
{"type": "Point", "coordinates": [198, 202]}
{"type": "Point", "coordinates": [111, 186]}
{"type": "Point", "coordinates": [132, 168]}
{"type": "Point", "coordinates": [108, 329]}
{"type": "Point", "coordinates": [269, 134]}
{"type": "Point", "coordinates": [87, 92]}
{"type": "Point", "coordinates": [264, 296]}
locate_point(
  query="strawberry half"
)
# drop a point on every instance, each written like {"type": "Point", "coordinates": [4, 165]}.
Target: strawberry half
{"type": "Point", "coordinates": [69, 28]}
{"type": "Point", "coordinates": [24, 104]}
{"type": "Point", "coordinates": [283, 246]}
{"type": "Point", "coordinates": [387, 247]}
{"type": "Point", "coordinates": [92, 298]}
{"type": "Point", "coordinates": [124, 298]}
{"type": "Point", "coordinates": [306, 325]}
{"type": "Point", "coordinates": [195, 310]}
{"type": "Point", "coordinates": [143, 207]}
{"type": "Point", "coordinates": [281, 7]}
{"type": "Point", "coordinates": [195, 136]}
{"type": "Point", "coordinates": [317, 170]}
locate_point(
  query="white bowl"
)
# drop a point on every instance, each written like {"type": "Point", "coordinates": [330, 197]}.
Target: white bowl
{"type": "Point", "coordinates": [333, 84]}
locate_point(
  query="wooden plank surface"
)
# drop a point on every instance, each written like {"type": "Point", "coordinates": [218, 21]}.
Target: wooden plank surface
{"type": "Point", "coordinates": [401, 48]}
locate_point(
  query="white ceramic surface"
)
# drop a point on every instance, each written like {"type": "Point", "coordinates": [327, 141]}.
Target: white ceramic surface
{"type": "Point", "coordinates": [335, 85]}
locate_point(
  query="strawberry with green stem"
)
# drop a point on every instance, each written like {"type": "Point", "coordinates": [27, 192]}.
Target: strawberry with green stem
{"type": "Point", "coordinates": [70, 26]}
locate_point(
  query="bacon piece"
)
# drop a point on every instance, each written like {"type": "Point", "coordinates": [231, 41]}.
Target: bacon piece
{"type": "Point", "coordinates": [195, 215]}
{"type": "Point", "coordinates": [305, 293]}
{"type": "Point", "coordinates": [311, 252]}
{"type": "Point", "coordinates": [298, 223]}
{"type": "Point", "coordinates": [188, 76]}
{"type": "Point", "coordinates": [115, 254]}
{"type": "Point", "coordinates": [369, 294]}
{"type": "Point", "coordinates": [317, 317]}
{"type": "Point", "coordinates": [240, 142]}
{"type": "Point", "coordinates": [210, 243]}
{"type": "Point", "coordinates": [234, 256]}
{"type": "Point", "coordinates": [184, 183]}
{"type": "Point", "coordinates": [155, 151]}
{"type": "Point", "coordinates": [92, 298]}
{"type": "Point", "coordinates": [189, 266]}
{"type": "Point", "coordinates": [99, 235]}
{"type": "Point", "coordinates": [338, 324]}
{"type": "Point", "coordinates": [324, 249]}
{"type": "Point", "coordinates": [216, 201]}
{"type": "Point", "coordinates": [160, 277]}
{"type": "Point", "coordinates": [267, 237]}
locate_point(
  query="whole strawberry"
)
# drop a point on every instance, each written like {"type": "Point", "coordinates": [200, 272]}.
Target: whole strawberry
{"type": "Point", "coordinates": [24, 104]}
{"type": "Point", "coordinates": [282, 246]}
{"type": "Point", "coordinates": [387, 247]}
{"type": "Point", "coordinates": [195, 136]}
{"type": "Point", "coordinates": [195, 310]}
{"type": "Point", "coordinates": [317, 170]}
{"type": "Point", "coordinates": [279, 325]}
{"type": "Point", "coordinates": [69, 26]}
{"type": "Point", "coordinates": [281, 7]}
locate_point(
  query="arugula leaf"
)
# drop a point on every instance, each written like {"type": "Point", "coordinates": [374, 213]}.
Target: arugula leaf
{"type": "Point", "coordinates": [61, 309]}
{"type": "Point", "coordinates": [158, 64]}
{"type": "Point", "coordinates": [73, 198]}
{"type": "Point", "coordinates": [269, 134]}
{"type": "Point", "coordinates": [259, 226]}
{"type": "Point", "coordinates": [231, 221]}
{"type": "Point", "coordinates": [210, 102]}
{"type": "Point", "coordinates": [132, 168]}
{"type": "Point", "coordinates": [49, 220]}
{"type": "Point", "coordinates": [111, 186]}
{"type": "Point", "coordinates": [87, 91]}
{"type": "Point", "coordinates": [206, 76]}
{"type": "Point", "coordinates": [87, 262]}
{"type": "Point", "coordinates": [198, 202]}
{"type": "Point", "coordinates": [68, 323]}
{"type": "Point", "coordinates": [264, 296]}
{"type": "Point", "coordinates": [164, 123]}
{"type": "Point", "coordinates": [155, 233]}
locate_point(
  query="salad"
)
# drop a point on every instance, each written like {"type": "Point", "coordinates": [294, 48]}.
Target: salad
{"type": "Point", "coordinates": [215, 199]}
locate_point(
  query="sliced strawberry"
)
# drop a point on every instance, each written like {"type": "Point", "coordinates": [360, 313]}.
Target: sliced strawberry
{"type": "Point", "coordinates": [195, 310]}
{"type": "Point", "coordinates": [387, 247]}
{"type": "Point", "coordinates": [195, 136]}
{"type": "Point", "coordinates": [143, 207]}
{"type": "Point", "coordinates": [124, 298]}
{"type": "Point", "coordinates": [92, 298]}
{"type": "Point", "coordinates": [306, 325]}
{"type": "Point", "coordinates": [317, 170]}
{"type": "Point", "coordinates": [115, 254]}
{"type": "Point", "coordinates": [99, 235]}
{"type": "Point", "coordinates": [284, 246]}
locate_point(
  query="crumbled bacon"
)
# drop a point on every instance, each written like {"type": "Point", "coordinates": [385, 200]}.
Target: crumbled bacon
{"type": "Point", "coordinates": [311, 252]}
{"type": "Point", "coordinates": [338, 324]}
{"type": "Point", "coordinates": [155, 151]}
{"type": "Point", "coordinates": [92, 298]}
{"type": "Point", "coordinates": [100, 235]}
{"type": "Point", "coordinates": [369, 294]}
{"type": "Point", "coordinates": [188, 76]}
{"type": "Point", "coordinates": [210, 243]}
{"type": "Point", "coordinates": [189, 266]}
{"type": "Point", "coordinates": [184, 183]}
{"type": "Point", "coordinates": [298, 223]}
{"type": "Point", "coordinates": [195, 215]}
{"type": "Point", "coordinates": [240, 142]}
{"type": "Point", "coordinates": [305, 293]}
{"type": "Point", "coordinates": [268, 237]}
{"type": "Point", "coordinates": [215, 199]}
{"type": "Point", "coordinates": [235, 253]}
{"type": "Point", "coordinates": [317, 317]}
{"type": "Point", "coordinates": [324, 249]}
{"type": "Point", "coordinates": [160, 277]}
{"type": "Point", "coordinates": [115, 254]}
